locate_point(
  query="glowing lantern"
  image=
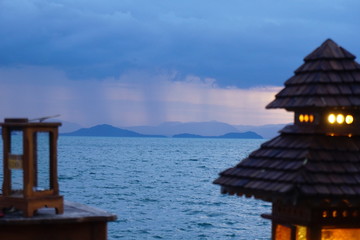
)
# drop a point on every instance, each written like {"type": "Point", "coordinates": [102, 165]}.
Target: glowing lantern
{"type": "Point", "coordinates": [340, 234]}
{"type": "Point", "coordinates": [282, 232]}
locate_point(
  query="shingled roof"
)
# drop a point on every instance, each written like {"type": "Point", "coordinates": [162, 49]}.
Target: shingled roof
{"type": "Point", "coordinates": [294, 167]}
{"type": "Point", "coordinates": [330, 77]}
{"type": "Point", "coordinates": [306, 163]}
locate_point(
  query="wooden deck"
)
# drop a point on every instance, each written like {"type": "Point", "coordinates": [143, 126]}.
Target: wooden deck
{"type": "Point", "coordinates": [78, 222]}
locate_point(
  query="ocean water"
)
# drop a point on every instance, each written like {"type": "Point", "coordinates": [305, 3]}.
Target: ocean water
{"type": "Point", "coordinates": [161, 188]}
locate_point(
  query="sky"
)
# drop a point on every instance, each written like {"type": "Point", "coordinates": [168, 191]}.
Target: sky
{"type": "Point", "coordinates": [140, 62]}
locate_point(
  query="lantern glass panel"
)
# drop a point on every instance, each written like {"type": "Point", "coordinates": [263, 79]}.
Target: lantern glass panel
{"type": "Point", "coordinates": [282, 232]}
{"type": "Point", "coordinates": [16, 143]}
{"type": "Point", "coordinates": [340, 234]}
{"type": "Point", "coordinates": [15, 160]}
{"type": "Point", "coordinates": [301, 233]}
{"type": "Point", "coordinates": [42, 161]}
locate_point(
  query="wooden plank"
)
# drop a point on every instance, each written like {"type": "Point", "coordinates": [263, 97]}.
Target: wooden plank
{"type": "Point", "coordinates": [73, 231]}
{"type": "Point", "coordinates": [73, 212]}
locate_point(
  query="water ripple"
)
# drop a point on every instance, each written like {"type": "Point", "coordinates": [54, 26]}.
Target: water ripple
{"type": "Point", "coordinates": [161, 188]}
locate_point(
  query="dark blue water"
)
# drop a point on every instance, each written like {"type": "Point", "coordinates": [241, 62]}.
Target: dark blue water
{"type": "Point", "coordinates": [161, 188]}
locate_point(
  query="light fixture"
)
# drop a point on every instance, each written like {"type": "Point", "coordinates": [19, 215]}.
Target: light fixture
{"type": "Point", "coordinates": [311, 118]}
{"type": "Point", "coordinates": [349, 119]}
{"type": "Point", "coordinates": [301, 117]}
{"type": "Point", "coordinates": [332, 118]}
{"type": "Point", "coordinates": [340, 119]}
{"type": "Point", "coordinates": [307, 118]}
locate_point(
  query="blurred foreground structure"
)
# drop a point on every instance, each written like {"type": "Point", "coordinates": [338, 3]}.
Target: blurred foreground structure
{"type": "Point", "coordinates": [30, 189]}
{"type": "Point", "coordinates": [311, 171]}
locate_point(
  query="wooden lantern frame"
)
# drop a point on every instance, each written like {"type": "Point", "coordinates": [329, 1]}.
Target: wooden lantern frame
{"type": "Point", "coordinates": [29, 199]}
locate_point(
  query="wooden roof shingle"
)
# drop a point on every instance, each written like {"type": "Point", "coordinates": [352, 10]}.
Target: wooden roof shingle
{"type": "Point", "coordinates": [316, 82]}
{"type": "Point", "coordinates": [328, 168]}
{"type": "Point", "coordinates": [305, 162]}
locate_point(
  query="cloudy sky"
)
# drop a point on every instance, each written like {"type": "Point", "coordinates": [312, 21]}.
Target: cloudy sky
{"type": "Point", "coordinates": [140, 62]}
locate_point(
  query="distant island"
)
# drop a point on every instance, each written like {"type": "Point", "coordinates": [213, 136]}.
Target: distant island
{"type": "Point", "coordinates": [169, 129]}
{"type": "Point", "coordinates": [106, 130]}
{"type": "Point", "coordinates": [210, 128]}
{"type": "Point", "coordinates": [245, 135]}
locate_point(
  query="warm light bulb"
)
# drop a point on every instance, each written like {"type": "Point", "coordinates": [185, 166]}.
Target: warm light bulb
{"type": "Point", "coordinates": [345, 213]}
{"type": "Point", "coordinates": [306, 118]}
{"type": "Point", "coordinates": [332, 118]}
{"type": "Point", "coordinates": [334, 214]}
{"type": "Point", "coordinates": [311, 118]}
{"type": "Point", "coordinates": [340, 119]}
{"type": "Point", "coordinates": [349, 119]}
{"type": "Point", "coordinates": [301, 118]}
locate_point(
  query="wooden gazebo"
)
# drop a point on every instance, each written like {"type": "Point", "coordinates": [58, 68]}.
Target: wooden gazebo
{"type": "Point", "coordinates": [311, 171]}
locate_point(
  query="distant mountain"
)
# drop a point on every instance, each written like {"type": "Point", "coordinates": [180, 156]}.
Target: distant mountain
{"type": "Point", "coordinates": [245, 135]}
{"type": "Point", "coordinates": [266, 131]}
{"type": "Point", "coordinates": [212, 128]}
{"type": "Point", "coordinates": [187, 135]}
{"type": "Point", "coordinates": [202, 129]}
{"type": "Point", "coordinates": [248, 135]}
{"type": "Point", "coordinates": [106, 130]}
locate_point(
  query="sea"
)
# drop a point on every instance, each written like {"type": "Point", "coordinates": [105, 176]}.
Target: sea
{"type": "Point", "coordinates": [161, 188]}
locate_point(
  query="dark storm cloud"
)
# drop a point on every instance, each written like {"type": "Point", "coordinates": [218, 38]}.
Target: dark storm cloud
{"type": "Point", "coordinates": [239, 43]}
